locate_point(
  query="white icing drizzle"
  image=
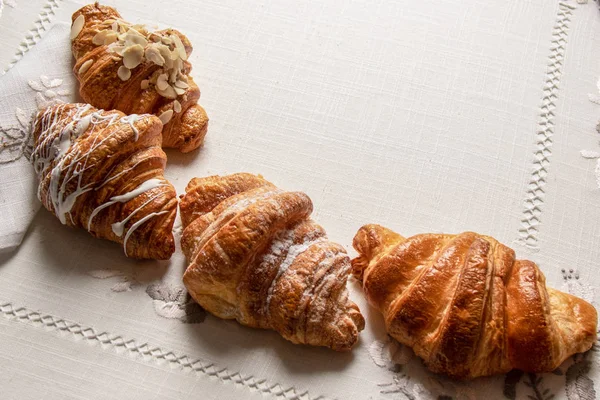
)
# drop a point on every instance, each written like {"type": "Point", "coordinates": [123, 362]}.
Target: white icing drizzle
{"type": "Point", "coordinates": [64, 147]}
{"type": "Point", "coordinates": [145, 186]}
{"type": "Point", "coordinates": [137, 224]}
{"type": "Point", "coordinates": [118, 227]}
{"type": "Point", "coordinates": [277, 248]}
{"type": "Point", "coordinates": [112, 178]}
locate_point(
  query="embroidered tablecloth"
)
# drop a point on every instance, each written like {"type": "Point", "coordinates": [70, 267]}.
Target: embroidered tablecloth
{"type": "Point", "coordinates": [422, 116]}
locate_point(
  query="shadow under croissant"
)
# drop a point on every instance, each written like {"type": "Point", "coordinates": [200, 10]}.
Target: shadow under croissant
{"type": "Point", "coordinates": [176, 157]}
{"type": "Point", "coordinates": [401, 376]}
{"type": "Point", "coordinates": [58, 243]}
{"type": "Point", "coordinates": [218, 337]}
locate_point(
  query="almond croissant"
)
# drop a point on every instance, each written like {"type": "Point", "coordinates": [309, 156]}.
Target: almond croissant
{"type": "Point", "coordinates": [103, 171]}
{"type": "Point", "coordinates": [257, 257]}
{"type": "Point", "coordinates": [125, 67]}
{"type": "Point", "coordinates": [466, 306]}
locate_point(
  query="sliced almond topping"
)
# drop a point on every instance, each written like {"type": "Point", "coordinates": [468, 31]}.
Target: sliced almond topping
{"type": "Point", "coordinates": [161, 82]}
{"type": "Point", "coordinates": [179, 46]}
{"type": "Point", "coordinates": [153, 55]}
{"type": "Point", "coordinates": [166, 116]}
{"type": "Point", "coordinates": [177, 106]}
{"type": "Point", "coordinates": [85, 66]}
{"type": "Point", "coordinates": [133, 56]}
{"type": "Point", "coordinates": [135, 44]}
{"type": "Point", "coordinates": [111, 37]}
{"type": "Point", "coordinates": [98, 39]}
{"type": "Point", "coordinates": [174, 54]}
{"type": "Point", "coordinates": [179, 91]}
{"type": "Point", "coordinates": [116, 48]}
{"type": "Point", "coordinates": [77, 26]}
{"type": "Point", "coordinates": [169, 92]}
{"type": "Point", "coordinates": [134, 37]}
{"type": "Point", "coordinates": [123, 73]}
{"type": "Point", "coordinates": [181, 84]}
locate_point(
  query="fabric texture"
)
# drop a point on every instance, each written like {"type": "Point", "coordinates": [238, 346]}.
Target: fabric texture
{"type": "Point", "coordinates": [422, 116]}
{"type": "Point", "coordinates": [24, 90]}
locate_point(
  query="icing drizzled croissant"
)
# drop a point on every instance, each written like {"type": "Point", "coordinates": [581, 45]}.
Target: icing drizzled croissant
{"type": "Point", "coordinates": [257, 257]}
{"type": "Point", "coordinates": [125, 67]}
{"type": "Point", "coordinates": [103, 171]}
{"type": "Point", "coordinates": [466, 306]}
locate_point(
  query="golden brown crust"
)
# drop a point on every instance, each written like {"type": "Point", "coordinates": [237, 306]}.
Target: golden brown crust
{"type": "Point", "coordinates": [101, 86]}
{"type": "Point", "coordinates": [103, 171]}
{"type": "Point", "coordinates": [255, 256]}
{"type": "Point", "coordinates": [466, 306]}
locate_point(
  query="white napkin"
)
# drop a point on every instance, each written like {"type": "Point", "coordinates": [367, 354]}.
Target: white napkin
{"type": "Point", "coordinates": [49, 61]}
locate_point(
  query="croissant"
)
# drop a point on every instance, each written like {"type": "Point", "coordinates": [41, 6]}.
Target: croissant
{"type": "Point", "coordinates": [256, 256]}
{"type": "Point", "coordinates": [125, 67]}
{"type": "Point", "coordinates": [466, 306]}
{"type": "Point", "coordinates": [103, 171]}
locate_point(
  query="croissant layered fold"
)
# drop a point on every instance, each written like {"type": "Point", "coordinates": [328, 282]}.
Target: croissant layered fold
{"type": "Point", "coordinates": [466, 306]}
{"type": "Point", "coordinates": [103, 172]}
{"type": "Point", "coordinates": [256, 256]}
{"type": "Point", "coordinates": [125, 67]}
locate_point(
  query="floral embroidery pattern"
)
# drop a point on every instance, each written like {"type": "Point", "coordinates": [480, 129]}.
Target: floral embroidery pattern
{"type": "Point", "coordinates": [175, 303]}
{"type": "Point", "coordinates": [15, 141]}
{"type": "Point", "coordinates": [126, 281]}
{"type": "Point", "coordinates": [395, 358]}
{"type": "Point", "coordinates": [534, 383]}
{"type": "Point", "coordinates": [169, 301]}
{"type": "Point", "coordinates": [579, 386]}
{"type": "Point", "coordinates": [47, 91]}
{"type": "Point", "coordinates": [572, 285]}
{"type": "Point", "coordinates": [128, 277]}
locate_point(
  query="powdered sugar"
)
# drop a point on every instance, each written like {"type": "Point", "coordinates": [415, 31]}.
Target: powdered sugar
{"type": "Point", "coordinates": [293, 252]}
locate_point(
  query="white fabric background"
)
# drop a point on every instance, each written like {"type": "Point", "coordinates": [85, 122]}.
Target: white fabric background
{"type": "Point", "coordinates": [421, 116]}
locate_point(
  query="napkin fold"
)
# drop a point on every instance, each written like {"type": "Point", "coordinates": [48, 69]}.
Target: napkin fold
{"type": "Point", "coordinates": [41, 77]}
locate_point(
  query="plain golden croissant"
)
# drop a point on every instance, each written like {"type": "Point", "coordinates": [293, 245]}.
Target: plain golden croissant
{"type": "Point", "coordinates": [257, 257]}
{"type": "Point", "coordinates": [125, 67]}
{"type": "Point", "coordinates": [103, 171]}
{"type": "Point", "coordinates": [466, 306]}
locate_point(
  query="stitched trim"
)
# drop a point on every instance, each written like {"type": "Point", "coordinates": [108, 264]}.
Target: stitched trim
{"type": "Point", "coordinates": [151, 353]}
{"type": "Point", "coordinates": [40, 25]}
{"type": "Point", "coordinates": [528, 233]}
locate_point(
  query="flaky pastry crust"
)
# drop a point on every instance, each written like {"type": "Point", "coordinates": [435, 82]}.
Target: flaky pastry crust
{"type": "Point", "coordinates": [101, 72]}
{"type": "Point", "coordinates": [256, 256]}
{"type": "Point", "coordinates": [466, 306]}
{"type": "Point", "coordinates": [103, 172]}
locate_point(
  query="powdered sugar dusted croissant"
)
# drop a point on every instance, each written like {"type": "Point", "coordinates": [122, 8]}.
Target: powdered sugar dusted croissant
{"type": "Point", "coordinates": [125, 67]}
{"type": "Point", "coordinates": [257, 257]}
{"type": "Point", "coordinates": [103, 171]}
{"type": "Point", "coordinates": [465, 304]}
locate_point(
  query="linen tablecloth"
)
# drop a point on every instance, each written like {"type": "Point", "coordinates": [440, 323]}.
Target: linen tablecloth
{"type": "Point", "coordinates": [421, 116]}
